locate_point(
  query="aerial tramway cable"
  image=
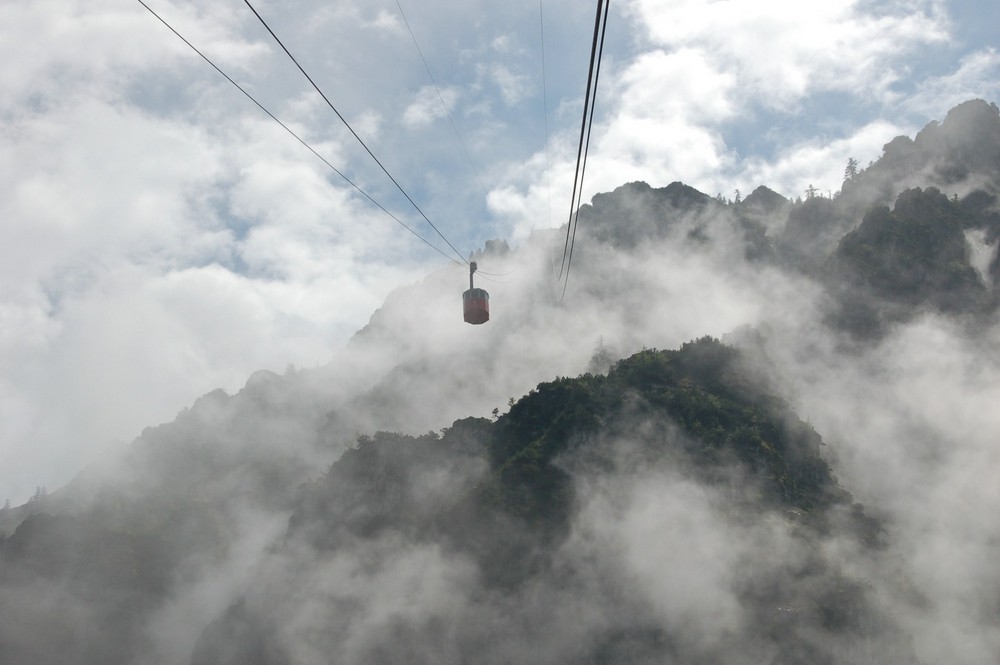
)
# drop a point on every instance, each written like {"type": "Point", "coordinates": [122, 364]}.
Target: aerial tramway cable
{"type": "Point", "coordinates": [451, 119]}
{"type": "Point", "coordinates": [296, 136]}
{"type": "Point", "coordinates": [545, 111]}
{"type": "Point", "coordinates": [447, 112]}
{"type": "Point", "coordinates": [355, 134]}
{"type": "Point", "coordinates": [593, 74]}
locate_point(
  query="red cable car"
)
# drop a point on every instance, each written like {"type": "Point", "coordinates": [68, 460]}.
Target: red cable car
{"type": "Point", "coordinates": [476, 302]}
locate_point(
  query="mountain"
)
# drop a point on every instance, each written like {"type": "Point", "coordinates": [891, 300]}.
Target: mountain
{"type": "Point", "coordinates": [550, 488]}
{"type": "Point", "coordinates": [500, 498]}
{"type": "Point", "coordinates": [959, 155]}
{"type": "Point", "coordinates": [636, 213]}
{"type": "Point", "coordinates": [914, 255]}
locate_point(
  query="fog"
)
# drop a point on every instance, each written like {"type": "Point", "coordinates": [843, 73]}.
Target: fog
{"type": "Point", "coordinates": [912, 428]}
{"type": "Point", "coordinates": [657, 562]}
{"type": "Point", "coordinates": [660, 560]}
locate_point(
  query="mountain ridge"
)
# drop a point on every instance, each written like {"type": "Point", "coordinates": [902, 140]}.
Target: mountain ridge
{"type": "Point", "coordinates": [534, 500]}
{"type": "Point", "coordinates": [517, 489]}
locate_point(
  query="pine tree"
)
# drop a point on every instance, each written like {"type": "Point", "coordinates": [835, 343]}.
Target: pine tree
{"type": "Point", "coordinates": [851, 171]}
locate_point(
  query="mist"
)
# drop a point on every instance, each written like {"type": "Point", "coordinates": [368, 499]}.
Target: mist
{"type": "Point", "coordinates": [656, 562]}
{"type": "Point", "coordinates": [912, 434]}
{"type": "Point", "coordinates": [334, 511]}
{"type": "Point", "coordinates": [658, 565]}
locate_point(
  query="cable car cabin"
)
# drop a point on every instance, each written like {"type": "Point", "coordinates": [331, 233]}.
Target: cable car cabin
{"type": "Point", "coordinates": [476, 304]}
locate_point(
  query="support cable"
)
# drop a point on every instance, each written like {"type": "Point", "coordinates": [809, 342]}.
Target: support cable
{"type": "Point", "coordinates": [545, 114]}
{"type": "Point", "coordinates": [596, 53]}
{"type": "Point", "coordinates": [296, 136]}
{"type": "Point", "coordinates": [355, 134]}
{"type": "Point", "coordinates": [444, 106]}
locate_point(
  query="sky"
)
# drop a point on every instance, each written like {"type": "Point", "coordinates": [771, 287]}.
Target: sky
{"type": "Point", "coordinates": [163, 237]}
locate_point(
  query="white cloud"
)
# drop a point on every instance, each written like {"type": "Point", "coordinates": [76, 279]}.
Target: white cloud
{"type": "Point", "coordinates": [389, 22]}
{"type": "Point", "coordinates": [818, 162]}
{"type": "Point", "coordinates": [513, 87]}
{"type": "Point", "coordinates": [679, 85]}
{"type": "Point", "coordinates": [116, 310]}
{"type": "Point", "coordinates": [781, 51]}
{"type": "Point", "coordinates": [976, 76]}
{"type": "Point", "coordinates": [427, 105]}
{"type": "Point", "coordinates": [662, 108]}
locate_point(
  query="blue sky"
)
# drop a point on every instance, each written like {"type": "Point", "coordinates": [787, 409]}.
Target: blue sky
{"type": "Point", "coordinates": [164, 238]}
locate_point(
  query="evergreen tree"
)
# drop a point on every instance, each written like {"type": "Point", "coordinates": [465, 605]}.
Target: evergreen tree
{"type": "Point", "coordinates": [851, 171]}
